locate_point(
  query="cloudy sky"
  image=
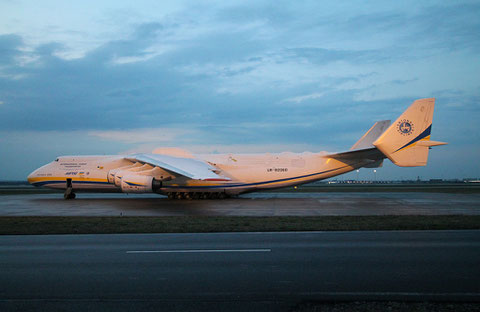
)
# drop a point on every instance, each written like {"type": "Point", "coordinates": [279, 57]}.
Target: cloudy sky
{"type": "Point", "coordinates": [107, 77]}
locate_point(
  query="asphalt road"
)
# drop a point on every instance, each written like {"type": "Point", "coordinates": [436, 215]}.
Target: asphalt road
{"type": "Point", "coordinates": [255, 204]}
{"type": "Point", "coordinates": [235, 271]}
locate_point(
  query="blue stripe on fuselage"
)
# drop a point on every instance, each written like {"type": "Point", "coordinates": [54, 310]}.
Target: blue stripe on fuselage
{"type": "Point", "coordinates": [204, 186]}
{"type": "Point", "coordinates": [255, 183]}
{"type": "Point", "coordinates": [64, 182]}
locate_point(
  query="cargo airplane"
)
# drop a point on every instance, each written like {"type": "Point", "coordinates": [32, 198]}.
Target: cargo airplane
{"type": "Point", "coordinates": [182, 175]}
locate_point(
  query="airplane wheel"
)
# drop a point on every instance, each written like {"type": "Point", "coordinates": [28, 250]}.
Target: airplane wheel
{"type": "Point", "coordinates": [222, 196]}
{"type": "Point", "coordinates": [69, 194]}
{"type": "Point", "coordinates": [196, 196]}
{"type": "Point", "coordinates": [171, 195]}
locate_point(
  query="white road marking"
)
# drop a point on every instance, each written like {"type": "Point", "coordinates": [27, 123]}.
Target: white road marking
{"type": "Point", "coordinates": [198, 250]}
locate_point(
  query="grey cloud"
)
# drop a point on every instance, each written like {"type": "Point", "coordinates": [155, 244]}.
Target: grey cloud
{"type": "Point", "coordinates": [254, 45]}
{"type": "Point", "coordinates": [402, 34]}
{"type": "Point", "coordinates": [324, 56]}
{"type": "Point", "coordinates": [47, 49]}
{"type": "Point", "coordinates": [451, 27]}
{"type": "Point", "coordinates": [70, 93]}
{"type": "Point", "coordinates": [95, 93]}
{"type": "Point", "coordinates": [277, 13]}
{"type": "Point", "coordinates": [124, 93]}
{"type": "Point", "coordinates": [375, 22]}
{"type": "Point", "coordinates": [147, 30]}
{"type": "Point", "coordinates": [9, 48]}
{"type": "Point", "coordinates": [218, 47]}
{"type": "Point", "coordinates": [403, 81]}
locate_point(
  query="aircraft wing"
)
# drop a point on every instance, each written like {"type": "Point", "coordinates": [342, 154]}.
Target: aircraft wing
{"type": "Point", "coordinates": [187, 167]}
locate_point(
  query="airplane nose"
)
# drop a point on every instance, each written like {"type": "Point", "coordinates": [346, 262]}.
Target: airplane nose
{"type": "Point", "coordinates": [31, 176]}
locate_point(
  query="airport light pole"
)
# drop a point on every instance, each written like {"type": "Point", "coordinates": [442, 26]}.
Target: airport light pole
{"type": "Point", "coordinates": [375, 174]}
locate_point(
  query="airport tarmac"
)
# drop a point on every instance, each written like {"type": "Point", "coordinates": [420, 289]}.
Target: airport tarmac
{"type": "Point", "coordinates": [254, 204]}
{"type": "Point", "coordinates": [235, 271]}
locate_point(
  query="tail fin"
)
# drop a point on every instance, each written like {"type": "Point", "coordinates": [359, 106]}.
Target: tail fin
{"type": "Point", "coordinates": [407, 141]}
{"type": "Point", "coordinates": [366, 141]}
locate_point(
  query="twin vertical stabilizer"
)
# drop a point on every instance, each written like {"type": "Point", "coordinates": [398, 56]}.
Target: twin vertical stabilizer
{"type": "Point", "coordinates": [366, 141]}
{"type": "Point", "coordinates": [407, 141]}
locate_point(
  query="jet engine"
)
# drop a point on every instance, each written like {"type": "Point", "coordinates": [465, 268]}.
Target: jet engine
{"type": "Point", "coordinates": [113, 172]}
{"type": "Point", "coordinates": [136, 183]}
{"type": "Point", "coordinates": [120, 173]}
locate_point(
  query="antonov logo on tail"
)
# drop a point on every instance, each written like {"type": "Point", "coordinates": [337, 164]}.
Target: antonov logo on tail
{"type": "Point", "coordinates": [405, 127]}
{"type": "Point", "coordinates": [180, 174]}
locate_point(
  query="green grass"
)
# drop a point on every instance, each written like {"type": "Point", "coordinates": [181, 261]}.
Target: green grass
{"type": "Point", "coordinates": [202, 224]}
{"type": "Point", "coordinates": [365, 306]}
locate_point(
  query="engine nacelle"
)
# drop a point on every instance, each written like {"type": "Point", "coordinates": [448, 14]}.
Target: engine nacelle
{"type": "Point", "coordinates": [111, 174]}
{"type": "Point", "coordinates": [120, 173]}
{"type": "Point", "coordinates": [117, 179]}
{"type": "Point", "coordinates": [135, 183]}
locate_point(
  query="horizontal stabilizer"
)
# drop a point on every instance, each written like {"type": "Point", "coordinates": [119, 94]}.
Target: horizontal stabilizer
{"type": "Point", "coordinates": [377, 164]}
{"type": "Point", "coordinates": [371, 156]}
{"type": "Point", "coordinates": [431, 143]}
{"type": "Point", "coordinates": [369, 153]}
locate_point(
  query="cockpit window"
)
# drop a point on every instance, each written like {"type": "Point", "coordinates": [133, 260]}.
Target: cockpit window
{"type": "Point", "coordinates": [56, 159]}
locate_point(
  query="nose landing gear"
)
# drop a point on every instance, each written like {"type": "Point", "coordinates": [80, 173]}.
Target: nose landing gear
{"type": "Point", "coordinates": [197, 195]}
{"type": "Point", "coordinates": [69, 194]}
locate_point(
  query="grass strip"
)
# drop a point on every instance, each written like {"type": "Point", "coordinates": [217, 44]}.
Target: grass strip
{"type": "Point", "coordinates": [203, 224]}
{"type": "Point", "coordinates": [397, 306]}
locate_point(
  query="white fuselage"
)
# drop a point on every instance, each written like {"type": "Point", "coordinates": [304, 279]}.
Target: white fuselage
{"type": "Point", "coordinates": [179, 174]}
{"type": "Point", "coordinates": [246, 172]}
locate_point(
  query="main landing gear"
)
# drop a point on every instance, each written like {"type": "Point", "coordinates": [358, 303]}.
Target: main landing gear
{"type": "Point", "coordinates": [69, 194]}
{"type": "Point", "coordinates": [197, 195]}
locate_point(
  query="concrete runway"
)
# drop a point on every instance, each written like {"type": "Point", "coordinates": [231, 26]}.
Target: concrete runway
{"type": "Point", "coordinates": [235, 271]}
{"type": "Point", "coordinates": [255, 204]}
